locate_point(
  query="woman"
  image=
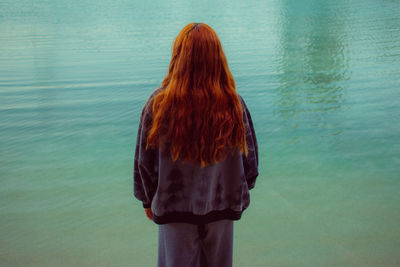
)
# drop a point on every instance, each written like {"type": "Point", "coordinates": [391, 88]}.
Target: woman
{"type": "Point", "coordinates": [196, 154]}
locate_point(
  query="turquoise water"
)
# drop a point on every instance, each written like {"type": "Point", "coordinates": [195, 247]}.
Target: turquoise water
{"type": "Point", "coordinates": [321, 79]}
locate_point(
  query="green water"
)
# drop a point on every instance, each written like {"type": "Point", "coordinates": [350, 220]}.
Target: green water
{"type": "Point", "coordinates": [321, 79]}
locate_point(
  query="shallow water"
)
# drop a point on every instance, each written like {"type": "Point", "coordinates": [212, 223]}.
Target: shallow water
{"type": "Point", "coordinates": [321, 80]}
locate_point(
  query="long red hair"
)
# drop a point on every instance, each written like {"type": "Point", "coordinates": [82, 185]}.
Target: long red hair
{"type": "Point", "coordinates": [198, 113]}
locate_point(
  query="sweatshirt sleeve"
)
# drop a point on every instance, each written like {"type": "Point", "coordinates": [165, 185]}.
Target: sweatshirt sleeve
{"type": "Point", "coordinates": [250, 162]}
{"type": "Point", "coordinates": [145, 172]}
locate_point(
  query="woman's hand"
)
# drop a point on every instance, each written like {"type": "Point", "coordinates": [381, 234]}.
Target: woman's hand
{"type": "Point", "coordinates": [149, 213]}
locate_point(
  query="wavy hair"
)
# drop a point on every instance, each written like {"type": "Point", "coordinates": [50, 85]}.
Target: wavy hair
{"type": "Point", "coordinates": [198, 113]}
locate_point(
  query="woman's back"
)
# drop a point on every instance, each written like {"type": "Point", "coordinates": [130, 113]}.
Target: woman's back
{"type": "Point", "coordinates": [180, 191]}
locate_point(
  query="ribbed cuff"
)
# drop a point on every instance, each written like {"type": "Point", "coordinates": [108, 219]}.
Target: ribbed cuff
{"type": "Point", "coordinates": [251, 181]}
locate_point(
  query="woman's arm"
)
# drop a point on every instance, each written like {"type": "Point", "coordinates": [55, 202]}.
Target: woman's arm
{"type": "Point", "coordinates": [250, 162]}
{"type": "Point", "coordinates": [145, 174]}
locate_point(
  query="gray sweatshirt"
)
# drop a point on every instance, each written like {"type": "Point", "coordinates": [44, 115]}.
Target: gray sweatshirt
{"type": "Point", "coordinates": [183, 191]}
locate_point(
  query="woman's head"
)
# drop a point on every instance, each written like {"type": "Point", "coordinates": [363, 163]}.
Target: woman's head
{"type": "Point", "coordinates": [198, 113]}
{"type": "Point", "coordinates": [197, 55]}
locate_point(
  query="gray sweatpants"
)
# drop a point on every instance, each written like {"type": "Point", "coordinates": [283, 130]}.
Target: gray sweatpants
{"type": "Point", "coordinates": [189, 245]}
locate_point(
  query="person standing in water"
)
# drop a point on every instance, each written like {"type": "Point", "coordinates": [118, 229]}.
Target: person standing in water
{"type": "Point", "coordinates": [196, 155]}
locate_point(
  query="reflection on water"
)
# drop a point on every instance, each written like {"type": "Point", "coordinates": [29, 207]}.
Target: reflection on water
{"type": "Point", "coordinates": [313, 67]}
{"type": "Point", "coordinates": [44, 68]}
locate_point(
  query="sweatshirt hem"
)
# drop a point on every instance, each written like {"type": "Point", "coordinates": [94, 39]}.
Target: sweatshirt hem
{"type": "Point", "coordinates": [189, 217]}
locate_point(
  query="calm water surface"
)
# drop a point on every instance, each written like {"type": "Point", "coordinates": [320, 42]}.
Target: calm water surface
{"type": "Point", "coordinates": [321, 79]}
